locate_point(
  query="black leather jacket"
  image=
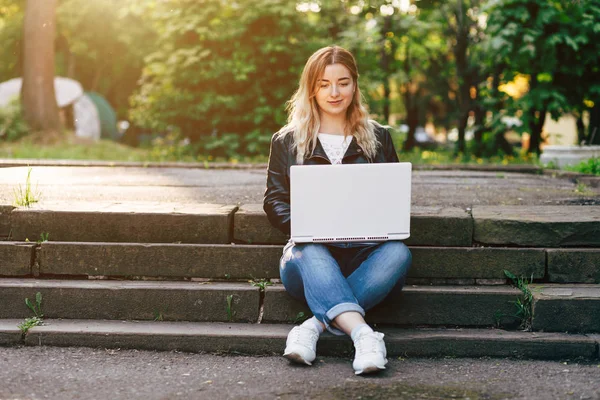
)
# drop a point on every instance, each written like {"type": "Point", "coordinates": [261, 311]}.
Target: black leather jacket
{"type": "Point", "coordinates": [276, 202]}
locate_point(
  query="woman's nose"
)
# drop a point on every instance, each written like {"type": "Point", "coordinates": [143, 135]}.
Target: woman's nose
{"type": "Point", "coordinates": [334, 91]}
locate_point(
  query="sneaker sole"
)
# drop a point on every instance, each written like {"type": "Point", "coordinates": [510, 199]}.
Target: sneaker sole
{"type": "Point", "coordinates": [296, 358]}
{"type": "Point", "coordinates": [369, 370]}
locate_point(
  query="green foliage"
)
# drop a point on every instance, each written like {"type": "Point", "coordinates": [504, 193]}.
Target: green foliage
{"type": "Point", "coordinates": [26, 196]}
{"type": "Point", "coordinates": [159, 314]}
{"type": "Point", "coordinates": [300, 317]}
{"type": "Point", "coordinates": [221, 75]}
{"type": "Point", "coordinates": [446, 156]}
{"type": "Point", "coordinates": [555, 45]}
{"type": "Point", "coordinates": [36, 308]}
{"type": "Point", "coordinates": [261, 284]}
{"type": "Point", "coordinates": [12, 124]}
{"type": "Point", "coordinates": [11, 28]}
{"type": "Point", "coordinates": [29, 323]}
{"type": "Point", "coordinates": [591, 166]}
{"type": "Point", "coordinates": [229, 308]}
{"type": "Point", "coordinates": [43, 237]}
{"type": "Point", "coordinates": [524, 303]}
{"type": "Point", "coordinates": [102, 44]}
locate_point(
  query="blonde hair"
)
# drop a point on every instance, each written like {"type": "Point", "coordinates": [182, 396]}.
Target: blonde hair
{"type": "Point", "coordinates": [303, 110]}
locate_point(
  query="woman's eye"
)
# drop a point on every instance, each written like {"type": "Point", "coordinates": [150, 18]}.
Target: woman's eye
{"type": "Point", "coordinates": [324, 86]}
{"type": "Point", "coordinates": [344, 84]}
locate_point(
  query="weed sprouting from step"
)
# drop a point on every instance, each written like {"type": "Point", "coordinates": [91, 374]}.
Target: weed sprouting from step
{"type": "Point", "coordinates": [230, 312]}
{"type": "Point", "coordinates": [158, 314]}
{"type": "Point", "coordinates": [524, 303]}
{"type": "Point", "coordinates": [43, 237]}
{"type": "Point", "coordinates": [36, 320]}
{"type": "Point", "coordinates": [26, 196]}
{"type": "Point", "coordinates": [300, 317]}
{"type": "Point", "coordinates": [29, 323]}
{"type": "Point", "coordinates": [583, 189]}
{"type": "Point", "coordinates": [261, 284]}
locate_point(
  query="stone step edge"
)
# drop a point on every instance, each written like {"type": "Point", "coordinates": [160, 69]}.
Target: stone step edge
{"type": "Point", "coordinates": [269, 339]}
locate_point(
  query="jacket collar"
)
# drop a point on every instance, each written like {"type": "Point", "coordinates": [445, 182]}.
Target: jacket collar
{"type": "Point", "coordinates": [353, 150]}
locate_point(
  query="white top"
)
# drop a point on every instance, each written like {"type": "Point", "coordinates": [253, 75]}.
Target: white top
{"type": "Point", "coordinates": [335, 146]}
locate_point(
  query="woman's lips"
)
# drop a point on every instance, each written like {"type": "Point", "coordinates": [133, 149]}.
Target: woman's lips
{"type": "Point", "coordinates": [335, 102]}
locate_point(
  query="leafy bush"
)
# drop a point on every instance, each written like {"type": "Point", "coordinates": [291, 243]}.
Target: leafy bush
{"type": "Point", "coordinates": [222, 76]}
{"type": "Point", "coordinates": [591, 166]}
{"type": "Point", "coordinates": [12, 125]}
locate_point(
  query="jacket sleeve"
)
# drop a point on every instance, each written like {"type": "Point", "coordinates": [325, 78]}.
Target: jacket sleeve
{"type": "Point", "coordinates": [388, 147]}
{"type": "Point", "coordinates": [276, 202]}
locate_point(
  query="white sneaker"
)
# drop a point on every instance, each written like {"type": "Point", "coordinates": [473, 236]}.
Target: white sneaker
{"type": "Point", "coordinates": [301, 345]}
{"type": "Point", "coordinates": [370, 353]}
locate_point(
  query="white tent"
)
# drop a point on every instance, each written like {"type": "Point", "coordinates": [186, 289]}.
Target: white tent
{"type": "Point", "coordinates": [67, 91]}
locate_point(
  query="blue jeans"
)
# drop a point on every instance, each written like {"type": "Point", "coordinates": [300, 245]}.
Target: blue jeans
{"type": "Point", "coordinates": [336, 279]}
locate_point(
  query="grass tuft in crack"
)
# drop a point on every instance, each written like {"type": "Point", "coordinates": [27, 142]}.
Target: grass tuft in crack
{"type": "Point", "coordinates": [36, 320]}
{"type": "Point", "coordinates": [524, 303]}
{"type": "Point", "coordinates": [261, 284]}
{"type": "Point", "coordinates": [26, 196]}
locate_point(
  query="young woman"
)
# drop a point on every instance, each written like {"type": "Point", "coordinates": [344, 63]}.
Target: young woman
{"type": "Point", "coordinates": [328, 124]}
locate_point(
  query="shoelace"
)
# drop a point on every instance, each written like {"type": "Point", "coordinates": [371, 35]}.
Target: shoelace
{"type": "Point", "coordinates": [368, 343]}
{"type": "Point", "coordinates": [302, 338]}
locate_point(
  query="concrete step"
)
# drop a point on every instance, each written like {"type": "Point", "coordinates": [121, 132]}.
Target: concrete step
{"type": "Point", "coordinates": [241, 302]}
{"type": "Point", "coordinates": [141, 222]}
{"type": "Point", "coordinates": [528, 226]}
{"type": "Point", "coordinates": [566, 308]}
{"type": "Point", "coordinates": [173, 261]}
{"type": "Point", "coordinates": [270, 339]}
{"type": "Point", "coordinates": [543, 226]}
{"type": "Point", "coordinates": [252, 261]}
{"type": "Point", "coordinates": [146, 222]}
{"type": "Point", "coordinates": [430, 226]}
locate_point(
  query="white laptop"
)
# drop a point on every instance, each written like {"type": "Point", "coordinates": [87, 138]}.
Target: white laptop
{"type": "Point", "coordinates": [350, 202]}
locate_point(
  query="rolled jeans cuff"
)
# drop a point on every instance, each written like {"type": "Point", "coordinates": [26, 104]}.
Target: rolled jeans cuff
{"type": "Point", "coordinates": [337, 310]}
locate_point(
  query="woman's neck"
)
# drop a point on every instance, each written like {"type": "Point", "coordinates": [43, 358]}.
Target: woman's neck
{"type": "Point", "coordinates": [334, 126]}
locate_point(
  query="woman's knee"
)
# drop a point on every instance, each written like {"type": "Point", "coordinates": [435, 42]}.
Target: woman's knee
{"type": "Point", "coordinates": [301, 257]}
{"type": "Point", "coordinates": [397, 256]}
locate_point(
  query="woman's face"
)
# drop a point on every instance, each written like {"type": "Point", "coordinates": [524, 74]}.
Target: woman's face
{"type": "Point", "coordinates": [335, 90]}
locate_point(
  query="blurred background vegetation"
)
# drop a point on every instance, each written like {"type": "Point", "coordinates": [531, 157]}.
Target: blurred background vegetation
{"type": "Point", "coordinates": [458, 80]}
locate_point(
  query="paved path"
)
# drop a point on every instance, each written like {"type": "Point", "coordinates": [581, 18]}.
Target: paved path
{"type": "Point", "coordinates": [81, 373]}
{"type": "Point", "coordinates": [179, 185]}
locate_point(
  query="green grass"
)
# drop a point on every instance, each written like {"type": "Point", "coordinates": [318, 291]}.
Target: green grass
{"type": "Point", "coordinates": [43, 237]}
{"type": "Point", "coordinates": [68, 147]}
{"type": "Point", "coordinates": [591, 166]}
{"type": "Point", "coordinates": [524, 303]}
{"type": "Point", "coordinates": [229, 308]}
{"type": "Point", "coordinates": [261, 284]}
{"type": "Point", "coordinates": [445, 156]}
{"type": "Point", "coordinates": [26, 196]}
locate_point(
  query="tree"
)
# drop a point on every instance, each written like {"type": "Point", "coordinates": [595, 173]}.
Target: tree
{"type": "Point", "coordinates": [555, 44]}
{"type": "Point", "coordinates": [11, 32]}
{"type": "Point", "coordinates": [37, 93]}
{"type": "Point", "coordinates": [102, 45]}
{"type": "Point", "coordinates": [220, 75]}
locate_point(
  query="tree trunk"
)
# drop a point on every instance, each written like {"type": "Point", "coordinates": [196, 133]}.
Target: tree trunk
{"type": "Point", "coordinates": [535, 130]}
{"type": "Point", "coordinates": [594, 126]}
{"type": "Point", "coordinates": [479, 129]}
{"type": "Point", "coordinates": [386, 58]}
{"type": "Point", "coordinates": [38, 98]}
{"type": "Point", "coordinates": [464, 79]}
{"type": "Point", "coordinates": [580, 128]}
{"type": "Point", "coordinates": [412, 118]}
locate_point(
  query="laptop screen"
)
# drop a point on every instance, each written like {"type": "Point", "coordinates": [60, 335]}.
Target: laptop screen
{"type": "Point", "coordinates": [350, 202]}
